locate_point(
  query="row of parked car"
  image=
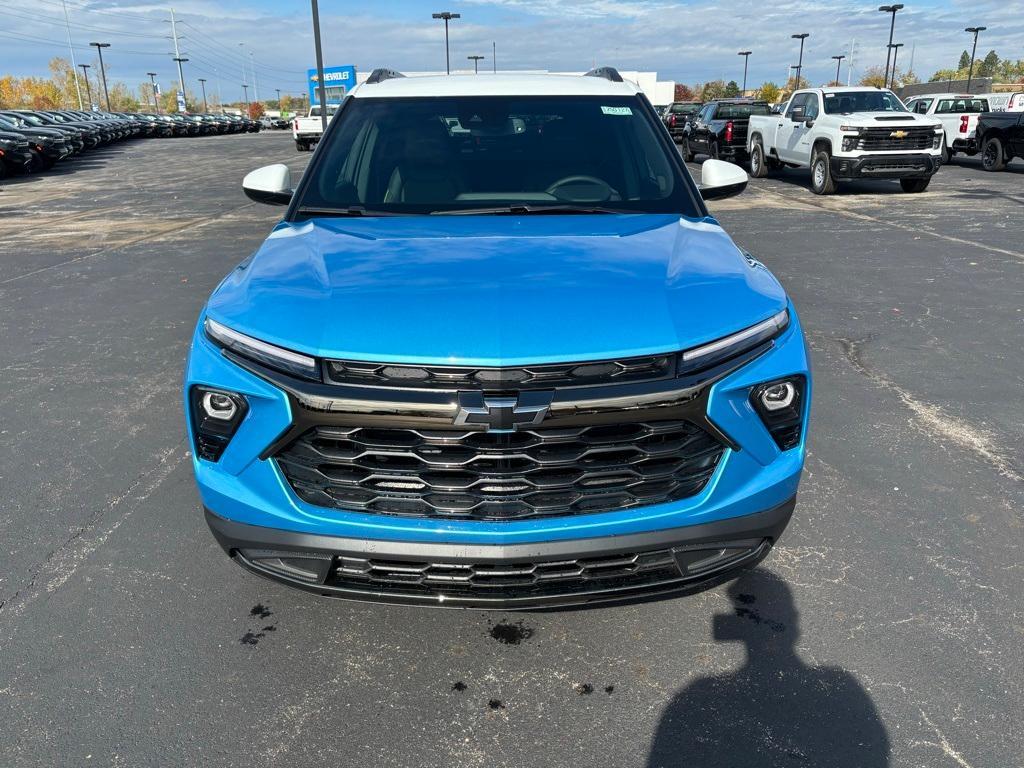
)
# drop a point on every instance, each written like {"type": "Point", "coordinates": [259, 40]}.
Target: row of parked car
{"type": "Point", "coordinates": [854, 132]}
{"type": "Point", "coordinates": [35, 140]}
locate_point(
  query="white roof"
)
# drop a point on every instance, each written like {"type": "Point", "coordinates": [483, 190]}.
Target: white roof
{"type": "Point", "coordinates": [947, 96]}
{"type": "Point", "coordinates": [847, 89]}
{"type": "Point", "coordinates": [489, 84]}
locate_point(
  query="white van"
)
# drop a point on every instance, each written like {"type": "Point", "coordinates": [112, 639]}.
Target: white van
{"type": "Point", "coordinates": [1009, 101]}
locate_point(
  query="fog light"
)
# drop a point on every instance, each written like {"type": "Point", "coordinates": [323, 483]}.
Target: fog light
{"type": "Point", "coordinates": [778, 396]}
{"type": "Point", "coordinates": [217, 405]}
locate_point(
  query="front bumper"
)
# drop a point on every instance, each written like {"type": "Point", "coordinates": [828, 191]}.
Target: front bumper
{"type": "Point", "coordinates": [547, 574]}
{"type": "Point", "coordinates": [889, 166]}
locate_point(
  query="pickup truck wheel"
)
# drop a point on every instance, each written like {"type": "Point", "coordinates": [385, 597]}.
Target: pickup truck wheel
{"type": "Point", "coordinates": [946, 154]}
{"type": "Point", "coordinates": [301, 146]}
{"type": "Point", "coordinates": [758, 167]}
{"type": "Point", "coordinates": [914, 185]}
{"type": "Point", "coordinates": [687, 153]}
{"type": "Point", "coordinates": [993, 158]}
{"type": "Point", "coordinates": [822, 182]}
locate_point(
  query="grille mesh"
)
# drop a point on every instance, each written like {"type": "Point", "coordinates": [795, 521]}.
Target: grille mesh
{"type": "Point", "coordinates": [460, 474]}
{"type": "Point", "coordinates": [882, 139]}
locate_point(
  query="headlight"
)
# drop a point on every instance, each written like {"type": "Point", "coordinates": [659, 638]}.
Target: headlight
{"type": "Point", "coordinates": [733, 345]}
{"type": "Point", "coordinates": [268, 354]}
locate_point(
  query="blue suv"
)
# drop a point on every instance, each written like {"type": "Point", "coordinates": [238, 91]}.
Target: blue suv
{"type": "Point", "coordinates": [497, 354]}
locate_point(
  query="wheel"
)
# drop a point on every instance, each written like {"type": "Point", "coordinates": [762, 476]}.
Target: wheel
{"type": "Point", "coordinates": [758, 166]}
{"type": "Point", "coordinates": [822, 182]}
{"type": "Point", "coordinates": [914, 185]}
{"type": "Point", "coordinates": [687, 153]}
{"type": "Point", "coordinates": [301, 146]}
{"type": "Point", "coordinates": [946, 154]}
{"type": "Point", "coordinates": [993, 158]}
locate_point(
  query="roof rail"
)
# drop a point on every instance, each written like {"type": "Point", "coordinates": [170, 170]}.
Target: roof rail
{"type": "Point", "coordinates": [608, 73]}
{"type": "Point", "coordinates": [381, 74]}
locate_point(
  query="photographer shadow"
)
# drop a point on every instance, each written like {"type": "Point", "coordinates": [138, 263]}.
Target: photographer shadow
{"type": "Point", "coordinates": [775, 710]}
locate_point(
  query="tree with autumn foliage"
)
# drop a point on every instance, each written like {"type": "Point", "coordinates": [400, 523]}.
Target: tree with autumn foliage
{"type": "Point", "coordinates": [769, 92]}
{"type": "Point", "coordinates": [684, 92]}
{"type": "Point", "coordinates": [256, 110]}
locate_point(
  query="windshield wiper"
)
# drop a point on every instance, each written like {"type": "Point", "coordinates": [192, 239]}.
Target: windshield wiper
{"type": "Point", "coordinates": [520, 210]}
{"type": "Point", "coordinates": [355, 210]}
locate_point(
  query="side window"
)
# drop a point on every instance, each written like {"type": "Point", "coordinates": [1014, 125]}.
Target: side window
{"type": "Point", "coordinates": [797, 101]}
{"type": "Point", "coordinates": [705, 113]}
{"type": "Point", "coordinates": [811, 110]}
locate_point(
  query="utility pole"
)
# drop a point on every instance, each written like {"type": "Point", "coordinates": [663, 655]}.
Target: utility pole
{"type": "Point", "coordinates": [476, 63]}
{"type": "Point", "coordinates": [202, 83]}
{"type": "Point", "coordinates": [152, 83]}
{"type": "Point", "coordinates": [255, 79]}
{"type": "Point", "coordinates": [849, 64]}
{"type": "Point", "coordinates": [746, 58]}
{"type": "Point", "coordinates": [494, 57]}
{"type": "Point", "coordinates": [88, 89]}
{"type": "Point", "coordinates": [895, 50]}
{"type": "Point", "coordinates": [974, 50]}
{"type": "Point", "coordinates": [447, 16]}
{"type": "Point", "coordinates": [103, 72]}
{"type": "Point", "coordinates": [71, 50]}
{"type": "Point", "coordinates": [800, 64]}
{"type": "Point", "coordinates": [839, 63]}
{"type": "Point", "coordinates": [245, 92]}
{"type": "Point", "coordinates": [892, 26]}
{"type": "Point", "coordinates": [320, 86]}
{"type": "Point", "coordinates": [178, 59]}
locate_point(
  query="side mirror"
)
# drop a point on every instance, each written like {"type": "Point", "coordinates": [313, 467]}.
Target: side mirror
{"type": "Point", "coordinates": [720, 179]}
{"type": "Point", "coordinates": [271, 184]}
{"type": "Point", "coordinates": [797, 114]}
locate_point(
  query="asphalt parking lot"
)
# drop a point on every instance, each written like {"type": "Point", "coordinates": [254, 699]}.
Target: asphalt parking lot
{"type": "Point", "coordinates": [887, 628]}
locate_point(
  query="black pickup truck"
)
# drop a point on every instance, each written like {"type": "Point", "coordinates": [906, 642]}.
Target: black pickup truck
{"type": "Point", "coordinates": [719, 130]}
{"type": "Point", "coordinates": [678, 115]}
{"type": "Point", "coordinates": [1001, 138]}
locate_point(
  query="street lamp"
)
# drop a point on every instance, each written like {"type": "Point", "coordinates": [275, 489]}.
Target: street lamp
{"type": "Point", "coordinates": [476, 63]}
{"type": "Point", "coordinates": [88, 89]}
{"type": "Point", "coordinates": [447, 16]}
{"type": "Point", "coordinates": [746, 58]}
{"type": "Point", "coordinates": [839, 63]}
{"type": "Point", "coordinates": [278, 98]}
{"type": "Point", "coordinates": [103, 73]}
{"type": "Point", "coordinates": [892, 26]}
{"type": "Point", "coordinates": [800, 65]}
{"type": "Point", "coordinates": [895, 50]}
{"type": "Point", "coordinates": [202, 84]}
{"type": "Point", "coordinates": [974, 50]}
{"type": "Point", "coordinates": [152, 83]}
{"type": "Point", "coordinates": [320, 86]}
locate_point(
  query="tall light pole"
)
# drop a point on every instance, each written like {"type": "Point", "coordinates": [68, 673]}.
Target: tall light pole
{"type": "Point", "coordinates": [320, 87]}
{"type": "Point", "coordinates": [202, 84]}
{"type": "Point", "coordinates": [476, 63]}
{"type": "Point", "coordinates": [892, 26]}
{"type": "Point", "coordinates": [746, 58]}
{"type": "Point", "coordinates": [178, 58]}
{"type": "Point", "coordinates": [103, 72]}
{"type": "Point", "coordinates": [245, 93]}
{"type": "Point", "coordinates": [447, 16]}
{"type": "Point", "coordinates": [800, 65]}
{"type": "Point", "coordinates": [278, 99]}
{"type": "Point", "coordinates": [152, 85]}
{"type": "Point", "coordinates": [895, 50]}
{"type": "Point", "coordinates": [71, 50]}
{"type": "Point", "coordinates": [974, 50]}
{"type": "Point", "coordinates": [88, 88]}
{"type": "Point", "coordinates": [839, 63]}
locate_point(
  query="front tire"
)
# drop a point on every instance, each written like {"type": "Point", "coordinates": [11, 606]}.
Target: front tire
{"type": "Point", "coordinates": [946, 154]}
{"type": "Point", "coordinates": [993, 157]}
{"type": "Point", "coordinates": [914, 185]}
{"type": "Point", "coordinates": [758, 166]}
{"type": "Point", "coordinates": [822, 182]}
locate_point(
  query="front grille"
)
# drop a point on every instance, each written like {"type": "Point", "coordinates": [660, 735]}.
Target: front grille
{"type": "Point", "coordinates": [505, 580]}
{"type": "Point", "coordinates": [884, 166]}
{"type": "Point", "coordinates": [473, 475]}
{"type": "Point", "coordinates": [630, 369]}
{"type": "Point", "coordinates": [883, 139]}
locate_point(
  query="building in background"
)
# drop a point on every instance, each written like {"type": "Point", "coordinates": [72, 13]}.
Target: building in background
{"type": "Point", "coordinates": [337, 82]}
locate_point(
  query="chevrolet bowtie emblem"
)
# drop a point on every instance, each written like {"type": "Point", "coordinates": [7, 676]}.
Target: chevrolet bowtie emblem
{"type": "Point", "coordinates": [898, 135]}
{"type": "Point", "coordinates": [503, 413]}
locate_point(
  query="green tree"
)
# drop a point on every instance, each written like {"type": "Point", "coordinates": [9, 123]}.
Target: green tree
{"type": "Point", "coordinates": [713, 90]}
{"type": "Point", "coordinates": [965, 60]}
{"type": "Point", "coordinates": [989, 65]}
{"type": "Point", "coordinates": [770, 92]}
{"type": "Point", "coordinates": [732, 89]}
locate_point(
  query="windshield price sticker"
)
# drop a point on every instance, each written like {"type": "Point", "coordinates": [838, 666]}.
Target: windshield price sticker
{"type": "Point", "coordinates": [617, 111]}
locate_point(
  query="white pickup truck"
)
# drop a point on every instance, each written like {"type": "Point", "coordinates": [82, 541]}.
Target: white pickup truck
{"type": "Point", "coordinates": [307, 130]}
{"type": "Point", "coordinates": [847, 133]}
{"type": "Point", "coordinates": [958, 114]}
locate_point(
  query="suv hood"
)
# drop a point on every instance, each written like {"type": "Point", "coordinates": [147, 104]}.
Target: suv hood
{"type": "Point", "coordinates": [495, 290]}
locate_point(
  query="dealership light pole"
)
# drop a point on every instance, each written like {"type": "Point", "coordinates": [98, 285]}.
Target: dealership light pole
{"type": "Point", "coordinates": [103, 73]}
{"type": "Point", "coordinates": [447, 16]}
{"type": "Point", "coordinates": [839, 63]}
{"type": "Point", "coordinates": [320, 87]}
{"type": "Point", "coordinates": [152, 85]}
{"type": "Point", "coordinates": [800, 65]}
{"type": "Point", "coordinates": [88, 88]}
{"type": "Point", "coordinates": [278, 98]}
{"type": "Point", "coordinates": [892, 26]}
{"type": "Point", "coordinates": [895, 50]}
{"type": "Point", "coordinates": [974, 50]}
{"type": "Point", "coordinates": [476, 63]}
{"type": "Point", "coordinates": [202, 84]}
{"type": "Point", "coordinates": [245, 93]}
{"type": "Point", "coordinates": [746, 58]}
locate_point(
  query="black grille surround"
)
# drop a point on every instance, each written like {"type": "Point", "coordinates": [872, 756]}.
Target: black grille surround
{"type": "Point", "coordinates": [477, 475]}
{"type": "Point", "coordinates": [887, 139]}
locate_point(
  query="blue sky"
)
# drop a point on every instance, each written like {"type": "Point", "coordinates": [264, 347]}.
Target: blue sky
{"type": "Point", "coordinates": [691, 41]}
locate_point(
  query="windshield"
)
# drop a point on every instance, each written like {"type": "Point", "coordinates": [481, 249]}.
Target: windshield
{"type": "Point", "coordinates": [845, 102]}
{"type": "Point", "coordinates": [432, 155]}
{"type": "Point", "coordinates": [684, 109]}
{"type": "Point", "coordinates": [739, 111]}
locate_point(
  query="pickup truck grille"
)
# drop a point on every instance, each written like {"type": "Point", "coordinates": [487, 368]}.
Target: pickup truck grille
{"type": "Point", "coordinates": [890, 139]}
{"type": "Point", "coordinates": [473, 475]}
